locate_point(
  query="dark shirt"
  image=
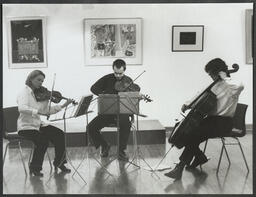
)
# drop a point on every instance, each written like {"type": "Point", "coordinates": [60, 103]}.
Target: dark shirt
{"type": "Point", "coordinates": [105, 85]}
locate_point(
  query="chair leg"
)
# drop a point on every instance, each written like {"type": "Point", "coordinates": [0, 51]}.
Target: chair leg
{"type": "Point", "coordinates": [221, 153]}
{"type": "Point", "coordinates": [49, 159]}
{"type": "Point", "coordinates": [21, 156]}
{"type": "Point", "coordinates": [226, 151]}
{"type": "Point", "coordinates": [6, 147]}
{"type": "Point", "coordinates": [243, 154]}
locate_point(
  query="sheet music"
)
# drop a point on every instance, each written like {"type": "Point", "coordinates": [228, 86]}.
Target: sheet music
{"type": "Point", "coordinates": [74, 111]}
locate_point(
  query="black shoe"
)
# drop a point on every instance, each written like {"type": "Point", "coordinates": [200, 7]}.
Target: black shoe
{"type": "Point", "coordinates": [63, 168]}
{"type": "Point", "coordinates": [198, 161]}
{"type": "Point", "coordinates": [36, 173]}
{"type": "Point", "coordinates": [105, 150]}
{"type": "Point", "coordinates": [176, 173]}
{"type": "Point", "coordinates": [122, 156]}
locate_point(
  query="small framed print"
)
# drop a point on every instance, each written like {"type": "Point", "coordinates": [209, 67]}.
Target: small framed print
{"type": "Point", "coordinates": [187, 38]}
{"type": "Point", "coordinates": [27, 42]}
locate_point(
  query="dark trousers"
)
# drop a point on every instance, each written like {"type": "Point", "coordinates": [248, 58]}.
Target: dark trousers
{"type": "Point", "coordinates": [210, 127]}
{"type": "Point", "coordinates": [41, 141]}
{"type": "Point", "coordinates": [102, 121]}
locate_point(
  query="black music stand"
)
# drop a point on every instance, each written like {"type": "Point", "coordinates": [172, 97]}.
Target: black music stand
{"type": "Point", "coordinates": [82, 109]}
{"type": "Point", "coordinates": [109, 104]}
{"type": "Point", "coordinates": [88, 145]}
{"type": "Point", "coordinates": [123, 103]}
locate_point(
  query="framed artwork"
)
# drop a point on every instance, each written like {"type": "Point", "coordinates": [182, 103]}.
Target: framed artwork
{"type": "Point", "coordinates": [107, 39]}
{"type": "Point", "coordinates": [27, 42]}
{"type": "Point", "coordinates": [249, 34]}
{"type": "Point", "coordinates": [187, 38]}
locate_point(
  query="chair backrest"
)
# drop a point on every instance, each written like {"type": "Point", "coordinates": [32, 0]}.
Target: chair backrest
{"type": "Point", "coordinates": [10, 117]}
{"type": "Point", "coordinates": [239, 118]}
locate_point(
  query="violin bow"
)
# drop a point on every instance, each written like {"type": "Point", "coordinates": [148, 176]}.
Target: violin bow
{"type": "Point", "coordinates": [49, 104]}
{"type": "Point", "coordinates": [135, 79]}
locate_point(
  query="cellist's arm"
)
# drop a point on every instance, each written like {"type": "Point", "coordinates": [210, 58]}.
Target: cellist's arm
{"type": "Point", "coordinates": [187, 105]}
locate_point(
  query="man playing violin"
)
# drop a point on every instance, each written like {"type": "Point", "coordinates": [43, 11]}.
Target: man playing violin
{"type": "Point", "coordinates": [106, 85]}
{"type": "Point", "coordinates": [216, 124]}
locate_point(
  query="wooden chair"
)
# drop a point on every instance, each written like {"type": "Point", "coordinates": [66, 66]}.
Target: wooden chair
{"type": "Point", "coordinates": [238, 131]}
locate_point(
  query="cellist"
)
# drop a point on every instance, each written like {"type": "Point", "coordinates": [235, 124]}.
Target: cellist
{"type": "Point", "coordinates": [218, 121]}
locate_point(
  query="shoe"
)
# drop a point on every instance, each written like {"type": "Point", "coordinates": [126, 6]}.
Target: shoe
{"type": "Point", "coordinates": [176, 173]}
{"type": "Point", "coordinates": [105, 150]}
{"type": "Point", "coordinates": [36, 173]}
{"type": "Point", "coordinates": [63, 168]}
{"type": "Point", "coordinates": [198, 161]}
{"type": "Point", "coordinates": [122, 156]}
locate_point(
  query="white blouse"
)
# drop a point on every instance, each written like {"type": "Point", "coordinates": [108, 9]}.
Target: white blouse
{"type": "Point", "coordinates": [28, 107]}
{"type": "Point", "coordinates": [227, 93]}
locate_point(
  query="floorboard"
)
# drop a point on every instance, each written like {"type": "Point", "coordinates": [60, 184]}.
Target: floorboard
{"type": "Point", "coordinates": [131, 180]}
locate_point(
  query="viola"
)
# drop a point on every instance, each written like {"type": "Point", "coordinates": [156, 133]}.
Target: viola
{"type": "Point", "coordinates": [201, 106]}
{"type": "Point", "coordinates": [127, 85]}
{"type": "Point", "coordinates": [43, 94]}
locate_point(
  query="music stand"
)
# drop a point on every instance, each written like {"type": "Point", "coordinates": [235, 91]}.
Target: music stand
{"type": "Point", "coordinates": [88, 139]}
{"type": "Point", "coordinates": [108, 104]}
{"type": "Point", "coordinates": [82, 109]}
{"type": "Point", "coordinates": [123, 103]}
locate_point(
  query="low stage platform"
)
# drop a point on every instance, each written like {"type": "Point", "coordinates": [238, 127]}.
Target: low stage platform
{"type": "Point", "coordinates": [150, 132]}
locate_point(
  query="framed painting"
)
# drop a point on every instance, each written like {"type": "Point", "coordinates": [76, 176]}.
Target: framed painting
{"type": "Point", "coordinates": [187, 38]}
{"type": "Point", "coordinates": [249, 33]}
{"type": "Point", "coordinates": [106, 39]}
{"type": "Point", "coordinates": [27, 42]}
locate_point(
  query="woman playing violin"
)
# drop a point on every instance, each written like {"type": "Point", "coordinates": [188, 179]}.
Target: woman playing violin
{"type": "Point", "coordinates": [106, 85]}
{"type": "Point", "coordinates": [32, 128]}
{"type": "Point", "coordinates": [216, 124]}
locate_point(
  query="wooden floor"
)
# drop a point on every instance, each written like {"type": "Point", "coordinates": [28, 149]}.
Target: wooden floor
{"type": "Point", "coordinates": [124, 179]}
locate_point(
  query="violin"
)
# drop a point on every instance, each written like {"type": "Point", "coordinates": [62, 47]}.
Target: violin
{"type": "Point", "coordinates": [43, 94]}
{"type": "Point", "coordinates": [126, 84]}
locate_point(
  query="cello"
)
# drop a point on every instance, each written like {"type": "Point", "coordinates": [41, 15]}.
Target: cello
{"type": "Point", "coordinates": [200, 108]}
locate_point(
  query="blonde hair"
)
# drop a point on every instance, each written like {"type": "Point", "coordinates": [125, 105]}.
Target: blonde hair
{"type": "Point", "coordinates": [32, 75]}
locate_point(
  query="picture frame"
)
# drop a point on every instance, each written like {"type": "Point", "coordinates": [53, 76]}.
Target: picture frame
{"type": "Point", "coordinates": [107, 39]}
{"type": "Point", "coordinates": [187, 38]}
{"type": "Point", "coordinates": [249, 34]}
{"type": "Point", "coordinates": [27, 42]}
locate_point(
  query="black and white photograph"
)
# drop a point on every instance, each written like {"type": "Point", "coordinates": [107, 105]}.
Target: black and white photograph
{"type": "Point", "coordinates": [128, 98]}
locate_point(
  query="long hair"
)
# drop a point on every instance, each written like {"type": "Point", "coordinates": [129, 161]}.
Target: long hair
{"type": "Point", "coordinates": [32, 75]}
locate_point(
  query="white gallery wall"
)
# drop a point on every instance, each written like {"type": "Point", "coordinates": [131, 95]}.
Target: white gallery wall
{"type": "Point", "coordinates": [170, 79]}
